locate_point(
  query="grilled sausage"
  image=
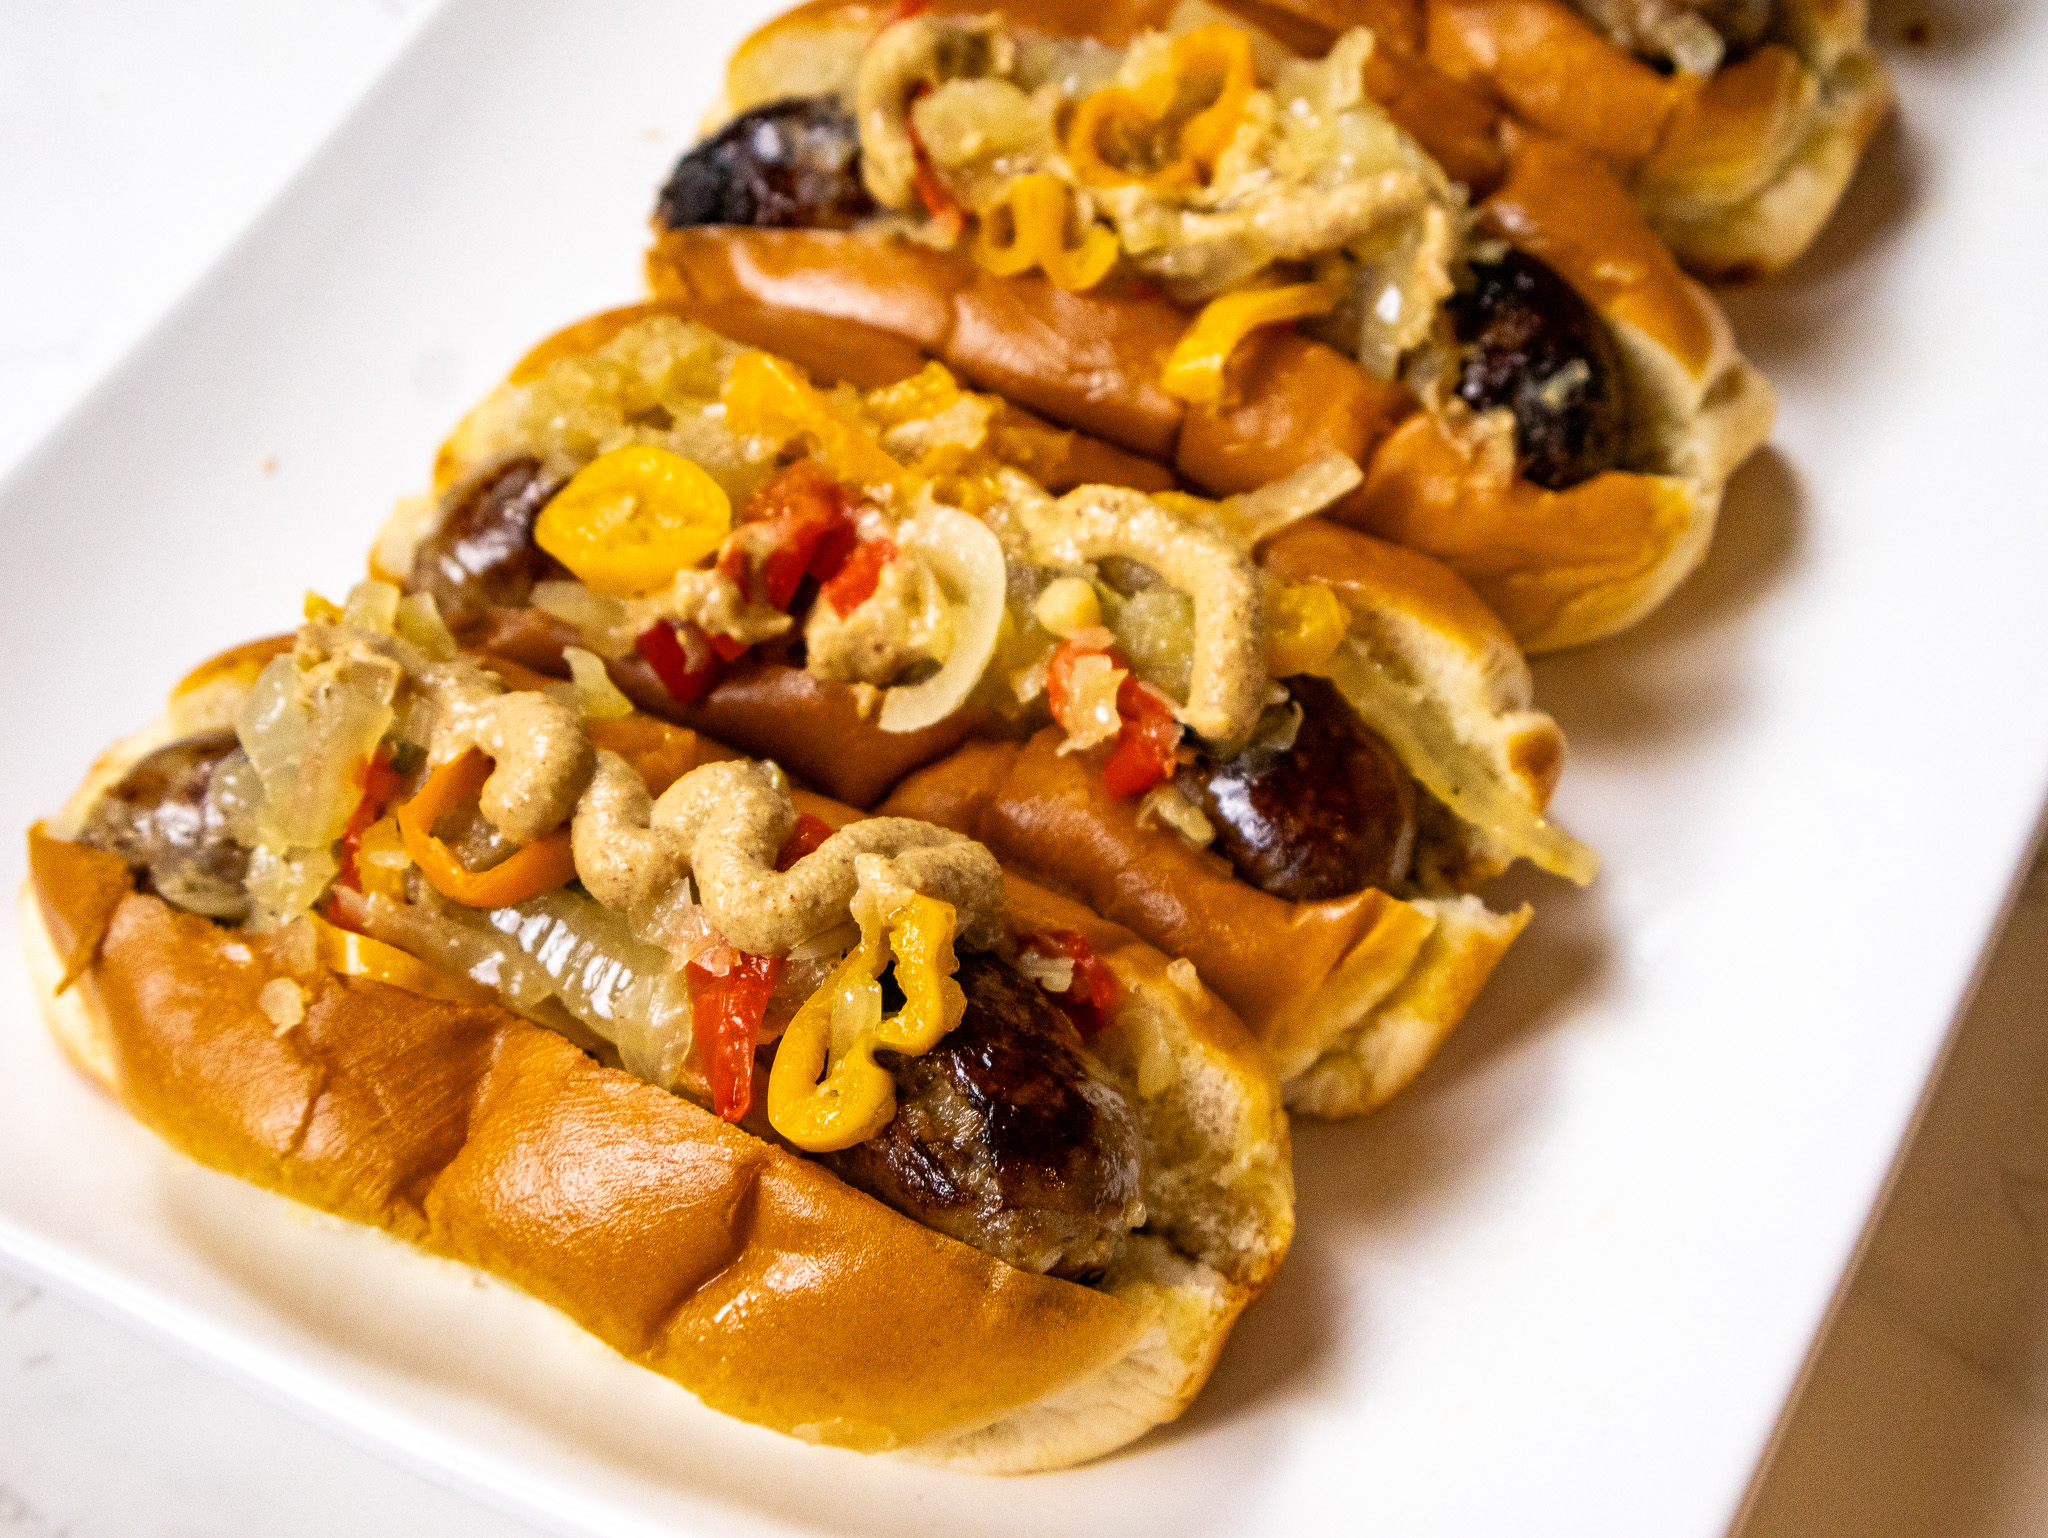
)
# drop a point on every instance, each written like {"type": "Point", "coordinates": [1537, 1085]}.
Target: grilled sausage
{"type": "Point", "coordinates": [1008, 1135]}
{"type": "Point", "coordinates": [161, 818]}
{"type": "Point", "coordinates": [1331, 815]}
{"type": "Point", "coordinates": [793, 163]}
{"type": "Point", "coordinates": [1533, 345]}
{"type": "Point", "coordinates": [483, 553]}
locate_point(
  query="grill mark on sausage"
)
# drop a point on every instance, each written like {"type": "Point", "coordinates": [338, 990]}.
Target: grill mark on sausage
{"type": "Point", "coordinates": [1008, 1135]}
{"type": "Point", "coordinates": [1332, 814]}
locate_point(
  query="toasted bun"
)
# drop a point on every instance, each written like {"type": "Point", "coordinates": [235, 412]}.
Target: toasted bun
{"type": "Point", "coordinates": [1758, 162]}
{"type": "Point", "coordinates": [1420, 614]}
{"type": "Point", "coordinates": [1737, 173]}
{"type": "Point", "coordinates": [1373, 984]}
{"type": "Point", "coordinates": [1563, 567]}
{"type": "Point", "coordinates": [748, 1275]}
{"type": "Point", "coordinates": [1089, 361]}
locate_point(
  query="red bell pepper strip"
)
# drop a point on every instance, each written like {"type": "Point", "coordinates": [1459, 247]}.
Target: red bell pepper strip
{"type": "Point", "coordinates": [806, 836]}
{"type": "Point", "coordinates": [798, 524]}
{"type": "Point", "coordinates": [858, 576]}
{"type": "Point", "coordinates": [1092, 997]}
{"type": "Point", "coordinates": [381, 784]}
{"type": "Point", "coordinates": [725, 1014]}
{"type": "Point", "coordinates": [684, 661]}
{"type": "Point", "coordinates": [1143, 756]}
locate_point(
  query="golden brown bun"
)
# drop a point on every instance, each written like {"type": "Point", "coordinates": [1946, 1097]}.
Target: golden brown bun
{"type": "Point", "coordinates": [1089, 361]}
{"type": "Point", "coordinates": [1370, 987]}
{"type": "Point", "coordinates": [1564, 567]}
{"type": "Point", "coordinates": [1372, 984]}
{"type": "Point", "coordinates": [1738, 172]}
{"type": "Point", "coordinates": [664, 1231]}
{"type": "Point", "coordinates": [1561, 567]}
{"type": "Point", "coordinates": [1405, 605]}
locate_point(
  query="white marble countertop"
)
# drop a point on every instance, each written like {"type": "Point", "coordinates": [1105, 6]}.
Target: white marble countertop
{"type": "Point", "coordinates": [137, 140]}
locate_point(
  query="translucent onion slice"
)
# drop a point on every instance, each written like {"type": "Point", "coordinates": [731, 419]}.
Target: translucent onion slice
{"type": "Point", "coordinates": [1424, 739]}
{"type": "Point", "coordinates": [968, 560]}
{"type": "Point", "coordinates": [1260, 514]}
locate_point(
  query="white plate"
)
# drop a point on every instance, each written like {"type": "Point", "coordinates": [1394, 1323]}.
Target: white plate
{"type": "Point", "coordinates": [1564, 1286]}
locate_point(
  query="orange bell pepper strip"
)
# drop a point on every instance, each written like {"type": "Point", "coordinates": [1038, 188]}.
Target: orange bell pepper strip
{"type": "Point", "coordinates": [539, 867]}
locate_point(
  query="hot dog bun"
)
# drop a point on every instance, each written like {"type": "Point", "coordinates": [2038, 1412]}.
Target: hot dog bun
{"type": "Point", "coordinates": [1561, 567]}
{"type": "Point", "coordinates": [747, 1274]}
{"type": "Point", "coordinates": [1565, 567]}
{"type": "Point", "coordinates": [1373, 982]}
{"type": "Point", "coordinates": [1736, 172]}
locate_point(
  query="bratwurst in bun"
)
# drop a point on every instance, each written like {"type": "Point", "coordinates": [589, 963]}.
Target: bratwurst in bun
{"type": "Point", "coordinates": [1213, 252]}
{"type": "Point", "coordinates": [820, 1116]}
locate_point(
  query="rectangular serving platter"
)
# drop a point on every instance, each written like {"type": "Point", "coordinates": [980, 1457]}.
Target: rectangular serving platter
{"type": "Point", "coordinates": [1566, 1284]}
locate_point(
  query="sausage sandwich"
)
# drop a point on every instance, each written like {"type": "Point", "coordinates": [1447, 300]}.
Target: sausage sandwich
{"type": "Point", "coordinates": [1266, 734]}
{"type": "Point", "coordinates": [818, 1115]}
{"type": "Point", "coordinates": [1211, 251]}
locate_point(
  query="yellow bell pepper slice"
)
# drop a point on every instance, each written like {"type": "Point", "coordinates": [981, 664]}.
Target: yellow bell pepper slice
{"type": "Point", "coordinates": [767, 397]}
{"type": "Point", "coordinates": [1138, 122]}
{"type": "Point", "coordinates": [921, 935]}
{"type": "Point", "coordinates": [629, 520]}
{"type": "Point", "coordinates": [858, 1096]}
{"type": "Point", "coordinates": [353, 955]}
{"type": "Point", "coordinates": [842, 1023]}
{"type": "Point", "coordinates": [538, 867]}
{"type": "Point", "coordinates": [1194, 370]}
{"type": "Point", "coordinates": [1038, 237]}
{"type": "Point", "coordinates": [1305, 623]}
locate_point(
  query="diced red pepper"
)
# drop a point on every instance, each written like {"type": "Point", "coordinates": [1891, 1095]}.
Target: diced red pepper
{"type": "Point", "coordinates": [1143, 756]}
{"type": "Point", "coordinates": [381, 785]}
{"type": "Point", "coordinates": [858, 576]}
{"type": "Point", "coordinates": [684, 660]}
{"type": "Point", "coordinates": [729, 648]}
{"type": "Point", "coordinates": [1092, 997]}
{"type": "Point", "coordinates": [725, 1014]}
{"type": "Point", "coordinates": [806, 836]}
{"type": "Point", "coordinates": [798, 524]}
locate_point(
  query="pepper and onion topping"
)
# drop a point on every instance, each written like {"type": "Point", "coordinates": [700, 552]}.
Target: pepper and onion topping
{"type": "Point", "coordinates": [537, 867]}
{"type": "Point", "coordinates": [1167, 133]}
{"type": "Point", "coordinates": [769, 397]}
{"type": "Point", "coordinates": [826, 1092]}
{"type": "Point", "coordinates": [1096, 698]}
{"type": "Point", "coordinates": [1037, 208]}
{"type": "Point", "coordinates": [629, 520]}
